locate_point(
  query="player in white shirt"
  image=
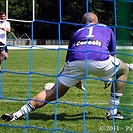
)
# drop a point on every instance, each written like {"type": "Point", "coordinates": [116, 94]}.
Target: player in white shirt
{"type": "Point", "coordinates": [4, 28]}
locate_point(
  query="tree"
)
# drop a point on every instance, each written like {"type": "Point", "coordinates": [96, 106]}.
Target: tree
{"type": "Point", "coordinates": [50, 17]}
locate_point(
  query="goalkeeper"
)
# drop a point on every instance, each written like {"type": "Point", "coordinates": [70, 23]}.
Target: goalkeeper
{"type": "Point", "coordinates": [91, 50]}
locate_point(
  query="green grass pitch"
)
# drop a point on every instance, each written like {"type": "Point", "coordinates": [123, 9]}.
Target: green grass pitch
{"type": "Point", "coordinates": [21, 74]}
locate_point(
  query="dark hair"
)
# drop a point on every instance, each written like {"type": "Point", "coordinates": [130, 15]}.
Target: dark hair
{"type": "Point", "coordinates": [2, 12]}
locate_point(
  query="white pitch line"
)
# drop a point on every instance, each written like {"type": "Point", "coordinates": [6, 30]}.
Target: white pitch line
{"type": "Point", "coordinates": [69, 102]}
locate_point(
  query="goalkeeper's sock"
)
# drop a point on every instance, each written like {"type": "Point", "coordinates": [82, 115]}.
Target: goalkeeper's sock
{"type": "Point", "coordinates": [113, 103]}
{"type": "Point", "coordinates": [28, 107]}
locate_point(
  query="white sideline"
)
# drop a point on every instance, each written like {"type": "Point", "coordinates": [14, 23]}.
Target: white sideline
{"type": "Point", "coordinates": [56, 47]}
{"type": "Point", "coordinates": [104, 103]}
{"type": "Point", "coordinates": [39, 47]}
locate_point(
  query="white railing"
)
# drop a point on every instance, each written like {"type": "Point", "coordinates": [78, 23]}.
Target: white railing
{"type": "Point", "coordinates": [28, 42]}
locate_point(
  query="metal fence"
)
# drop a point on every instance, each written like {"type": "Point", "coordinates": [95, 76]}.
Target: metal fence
{"type": "Point", "coordinates": [28, 42]}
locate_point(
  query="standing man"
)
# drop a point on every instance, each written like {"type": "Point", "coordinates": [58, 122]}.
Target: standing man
{"type": "Point", "coordinates": [4, 28]}
{"type": "Point", "coordinates": [91, 50]}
